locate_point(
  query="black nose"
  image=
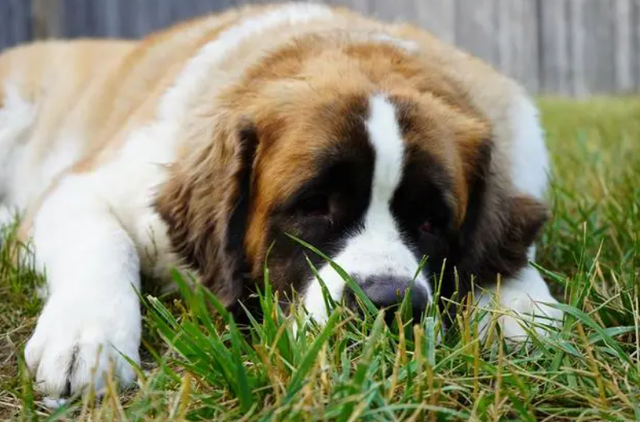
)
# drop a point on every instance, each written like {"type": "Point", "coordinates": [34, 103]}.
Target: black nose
{"type": "Point", "coordinates": [389, 291]}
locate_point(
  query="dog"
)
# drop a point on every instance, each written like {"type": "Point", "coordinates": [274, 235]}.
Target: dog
{"type": "Point", "coordinates": [208, 145]}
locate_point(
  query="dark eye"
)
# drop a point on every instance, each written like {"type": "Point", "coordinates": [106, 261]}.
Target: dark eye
{"type": "Point", "coordinates": [426, 227]}
{"type": "Point", "coordinates": [315, 206]}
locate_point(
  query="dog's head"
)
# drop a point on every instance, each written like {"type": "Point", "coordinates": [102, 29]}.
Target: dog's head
{"type": "Point", "coordinates": [360, 149]}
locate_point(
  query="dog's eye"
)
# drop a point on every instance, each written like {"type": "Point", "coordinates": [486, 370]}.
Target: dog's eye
{"type": "Point", "coordinates": [426, 227]}
{"type": "Point", "coordinates": [315, 206]}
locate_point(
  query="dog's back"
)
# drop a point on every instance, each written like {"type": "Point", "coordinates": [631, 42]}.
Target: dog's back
{"type": "Point", "coordinates": [41, 86]}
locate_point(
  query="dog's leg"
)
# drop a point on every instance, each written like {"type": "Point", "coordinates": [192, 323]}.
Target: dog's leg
{"type": "Point", "coordinates": [92, 314]}
{"type": "Point", "coordinates": [519, 306]}
{"type": "Point", "coordinates": [521, 298]}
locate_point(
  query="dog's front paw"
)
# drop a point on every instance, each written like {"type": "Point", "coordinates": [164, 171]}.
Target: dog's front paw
{"type": "Point", "coordinates": [525, 314]}
{"type": "Point", "coordinates": [78, 341]}
{"type": "Point", "coordinates": [521, 308]}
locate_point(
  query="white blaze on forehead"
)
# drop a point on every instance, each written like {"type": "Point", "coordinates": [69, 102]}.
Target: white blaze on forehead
{"type": "Point", "coordinates": [378, 249]}
{"type": "Point", "coordinates": [386, 139]}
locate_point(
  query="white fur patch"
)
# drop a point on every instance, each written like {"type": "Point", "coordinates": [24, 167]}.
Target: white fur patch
{"type": "Point", "coordinates": [520, 307]}
{"type": "Point", "coordinates": [64, 154]}
{"type": "Point", "coordinates": [407, 45]}
{"type": "Point", "coordinates": [24, 173]}
{"type": "Point", "coordinates": [378, 249]}
{"type": "Point", "coordinates": [92, 313]}
{"type": "Point", "coordinates": [16, 118]}
{"type": "Point", "coordinates": [530, 165]}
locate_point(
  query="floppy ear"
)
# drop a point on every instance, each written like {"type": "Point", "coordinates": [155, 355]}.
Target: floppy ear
{"type": "Point", "coordinates": [500, 224]}
{"type": "Point", "coordinates": [205, 204]}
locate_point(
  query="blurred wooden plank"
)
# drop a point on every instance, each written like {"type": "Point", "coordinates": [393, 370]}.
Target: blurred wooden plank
{"type": "Point", "coordinates": [5, 37]}
{"type": "Point", "coordinates": [554, 47]}
{"type": "Point", "coordinates": [99, 20]}
{"type": "Point", "coordinates": [6, 31]}
{"type": "Point", "coordinates": [506, 33]}
{"type": "Point", "coordinates": [528, 57]}
{"type": "Point", "coordinates": [46, 18]}
{"type": "Point", "coordinates": [599, 49]}
{"type": "Point", "coordinates": [476, 28]}
{"type": "Point", "coordinates": [362, 6]}
{"type": "Point", "coordinates": [188, 9]}
{"type": "Point", "coordinates": [129, 15]}
{"type": "Point", "coordinates": [92, 19]}
{"type": "Point", "coordinates": [566, 47]}
{"type": "Point", "coordinates": [577, 42]}
{"type": "Point", "coordinates": [144, 15]}
{"type": "Point", "coordinates": [439, 17]}
{"type": "Point", "coordinates": [623, 27]}
{"type": "Point", "coordinates": [74, 19]}
{"type": "Point", "coordinates": [517, 53]}
{"type": "Point", "coordinates": [163, 13]}
{"type": "Point", "coordinates": [19, 28]}
{"type": "Point", "coordinates": [112, 16]}
{"type": "Point", "coordinates": [395, 11]}
{"type": "Point", "coordinates": [635, 43]}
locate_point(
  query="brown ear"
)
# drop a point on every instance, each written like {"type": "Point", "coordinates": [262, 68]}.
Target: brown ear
{"type": "Point", "coordinates": [500, 224]}
{"type": "Point", "coordinates": [205, 204]}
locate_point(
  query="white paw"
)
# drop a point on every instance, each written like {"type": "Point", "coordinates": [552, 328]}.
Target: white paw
{"type": "Point", "coordinates": [521, 308]}
{"type": "Point", "coordinates": [527, 315]}
{"type": "Point", "coordinates": [78, 341]}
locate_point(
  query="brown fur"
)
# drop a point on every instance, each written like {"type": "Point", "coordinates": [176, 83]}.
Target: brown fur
{"type": "Point", "coordinates": [197, 204]}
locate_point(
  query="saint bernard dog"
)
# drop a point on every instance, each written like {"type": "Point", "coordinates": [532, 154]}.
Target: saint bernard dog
{"type": "Point", "coordinates": [206, 145]}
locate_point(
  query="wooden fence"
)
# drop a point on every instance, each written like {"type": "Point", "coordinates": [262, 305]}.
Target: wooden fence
{"type": "Point", "coordinates": [566, 47]}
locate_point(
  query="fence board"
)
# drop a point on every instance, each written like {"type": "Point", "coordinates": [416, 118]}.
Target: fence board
{"type": "Point", "coordinates": [567, 47]}
{"type": "Point", "coordinates": [517, 52]}
{"type": "Point", "coordinates": [114, 22]}
{"type": "Point", "coordinates": [45, 19]}
{"type": "Point", "coordinates": [599, 51]}
{"type": "Point", "coordinates": [476, 28]}
{"type": "Point", "coordinates": [577, 43]}
{"type": "Point", "coordinates": [635, 34]}
{"type": "Point", "coordinates": [396, 10]}
{"type": "Point", "coordinates": [74, 19]}
{"type": "Point", "coordinates": [554, 46]}
{"type": "Point", "coordinates": [623, 15]}
{"type": "Point", "coordinates": [15, 27]}
{"type": "Point", "coordinates": [439, 17]}
{"type": "Point", "coordinates": [362, 6]}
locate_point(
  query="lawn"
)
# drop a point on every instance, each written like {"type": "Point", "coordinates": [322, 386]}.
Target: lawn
{"type": "Point", "coordinates": [202, 368]}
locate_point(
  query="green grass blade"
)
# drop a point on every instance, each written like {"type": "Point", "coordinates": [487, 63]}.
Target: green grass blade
{"type": "Point", "coordinates": [244, 387]}
{"type": "Point", "coordinates": [309, 359]}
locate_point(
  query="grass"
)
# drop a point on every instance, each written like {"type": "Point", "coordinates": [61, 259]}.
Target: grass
{"type": "Point", "coordinates": [279, 368]}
